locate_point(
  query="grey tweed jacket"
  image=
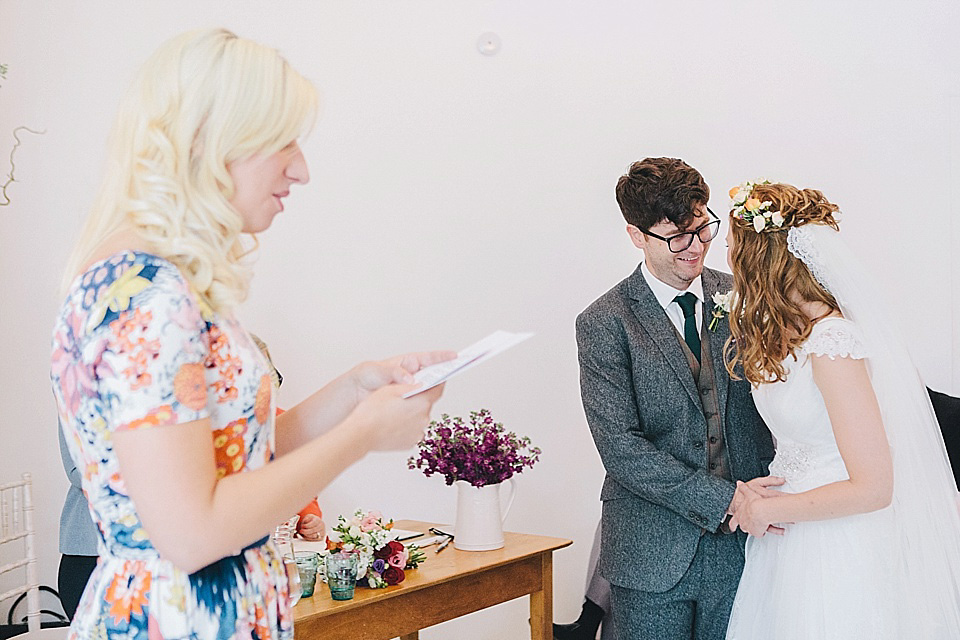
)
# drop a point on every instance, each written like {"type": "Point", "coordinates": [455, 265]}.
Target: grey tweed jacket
{"type": "Point", "coordinates": [644, 412]}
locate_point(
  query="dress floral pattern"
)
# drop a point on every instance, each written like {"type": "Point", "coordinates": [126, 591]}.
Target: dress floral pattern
{"type": "Point", "coordinates": [135, 348]}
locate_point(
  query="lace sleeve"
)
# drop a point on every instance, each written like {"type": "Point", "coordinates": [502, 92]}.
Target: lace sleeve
{"type": "Point", "coordinates": [835, 338]}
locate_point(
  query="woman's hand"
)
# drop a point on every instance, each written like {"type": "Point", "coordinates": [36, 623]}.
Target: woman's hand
{"type": "Point", "coordinates": [391, 422]}
{"type": "Point", "coordinates": [367, 377]}
{"type": "Point", "coordinates": [332, 404]}
{"type": "Point", "coordinates": [312, 527]}
{"type": "Point", "coordinates": [752, 513]}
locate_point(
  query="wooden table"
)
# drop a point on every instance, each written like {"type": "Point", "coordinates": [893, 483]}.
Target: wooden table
{"type": "Point", "coordinates": [448, 584]}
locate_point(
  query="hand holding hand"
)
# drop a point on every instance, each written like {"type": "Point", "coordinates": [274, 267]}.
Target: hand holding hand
{"type": "Point", "coordinates": [762, 485]}
{"type": "Point", "coordinates": [749, 506]}
{"type": "Point", "coordinates": [759, 486]}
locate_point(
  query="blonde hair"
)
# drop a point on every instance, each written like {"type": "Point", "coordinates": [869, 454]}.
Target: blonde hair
{"type": "Point", "coordinates": [767, 323]}
{"type": "Point", "coordinates": [203, 100]}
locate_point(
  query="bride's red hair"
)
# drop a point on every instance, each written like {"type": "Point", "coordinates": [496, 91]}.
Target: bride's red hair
{"type": "Point", "coordinates": [767, 323]}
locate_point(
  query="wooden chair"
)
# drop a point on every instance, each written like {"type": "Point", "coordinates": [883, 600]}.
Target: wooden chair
{"type": "Point", "coordinates": [17, 541]}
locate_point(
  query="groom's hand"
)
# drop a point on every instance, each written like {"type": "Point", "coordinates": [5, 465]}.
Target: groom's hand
{"type": "Point", "coordinates": [745, 508]}
{"type": "Point", "coordinates": [759, 486]}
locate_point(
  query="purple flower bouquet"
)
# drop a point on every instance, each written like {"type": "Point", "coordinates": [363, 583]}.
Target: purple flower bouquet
{"type": "Point", "coordinates": [481, 452]}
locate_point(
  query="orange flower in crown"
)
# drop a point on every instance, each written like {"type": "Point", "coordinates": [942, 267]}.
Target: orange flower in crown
{"type": "Point", "coordinates": [751, 210]}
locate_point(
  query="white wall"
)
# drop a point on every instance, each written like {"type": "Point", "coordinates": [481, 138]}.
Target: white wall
{"type": "Point", "coordinates": [455, 193]}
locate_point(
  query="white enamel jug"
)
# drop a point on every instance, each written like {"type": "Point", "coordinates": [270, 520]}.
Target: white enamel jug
{"type": "Point", "coordinates": [479, 525]}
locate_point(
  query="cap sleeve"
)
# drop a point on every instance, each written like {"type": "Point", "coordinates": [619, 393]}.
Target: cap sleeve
{"type": "Point", "coordinates": [835, 338]}
{"type": "Point", "coordinates": [152, 350]}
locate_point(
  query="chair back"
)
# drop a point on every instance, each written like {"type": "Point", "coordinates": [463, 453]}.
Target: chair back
{"type": "Point", "coordinates": [947, 409]}
{"type": "Point", "coordinates": [17, 542]}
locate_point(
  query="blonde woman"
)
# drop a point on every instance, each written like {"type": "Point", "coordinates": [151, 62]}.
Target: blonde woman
{"type": "Point", "coordinates": [166, 402]}
{"type": "Point", "coordinates": [871, 540]}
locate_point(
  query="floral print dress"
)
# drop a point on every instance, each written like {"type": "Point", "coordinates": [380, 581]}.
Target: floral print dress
{"type": "Point", "coordinates": [135, 348]}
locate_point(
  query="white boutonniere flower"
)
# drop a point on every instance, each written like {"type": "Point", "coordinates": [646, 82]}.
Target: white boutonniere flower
{"type": "Point", "coordinates": [721, 307]}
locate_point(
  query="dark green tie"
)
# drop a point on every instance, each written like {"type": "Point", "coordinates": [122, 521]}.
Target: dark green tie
{"type": "Point", "coordinates": [688, 302]}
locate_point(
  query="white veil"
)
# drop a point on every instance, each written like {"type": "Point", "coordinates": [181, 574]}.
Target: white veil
{"type": "Point", "coordinates": [924, 496]}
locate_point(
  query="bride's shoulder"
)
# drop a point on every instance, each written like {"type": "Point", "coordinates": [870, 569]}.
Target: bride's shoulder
{"type": "Point", "coordinates": [836, 337]}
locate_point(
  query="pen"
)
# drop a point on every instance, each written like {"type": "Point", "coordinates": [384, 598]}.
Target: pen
{"type": "Point", "coordinates": [443, 545]}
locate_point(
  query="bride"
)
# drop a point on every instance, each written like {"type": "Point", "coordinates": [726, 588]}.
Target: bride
{"type": "Point", "coordinates": [871, 539]}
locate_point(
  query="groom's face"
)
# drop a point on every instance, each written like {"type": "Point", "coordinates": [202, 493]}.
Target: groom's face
{"type": "Point", "coordinates": [675, 269]}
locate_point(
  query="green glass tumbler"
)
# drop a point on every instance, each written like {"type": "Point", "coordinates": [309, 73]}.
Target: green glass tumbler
{"type": "Point", "coordinates": [342, 574]}
{"type": "Point", "coordinates": [307, 563]}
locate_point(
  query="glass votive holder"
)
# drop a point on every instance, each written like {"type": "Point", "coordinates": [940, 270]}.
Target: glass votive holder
{"type": "Point", "coordinates": [341, 571]}
{"type": "Point", "coordinates": [307, 563]}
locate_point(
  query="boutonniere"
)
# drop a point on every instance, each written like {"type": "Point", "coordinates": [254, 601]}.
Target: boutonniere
{"type": "Point", "coordinates": [721, 307]}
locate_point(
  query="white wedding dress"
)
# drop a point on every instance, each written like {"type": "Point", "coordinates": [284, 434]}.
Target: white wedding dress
{"type": "Point", "coordinates": [893, 574]}
{"type": "Point", "coordinates": [822, 579]}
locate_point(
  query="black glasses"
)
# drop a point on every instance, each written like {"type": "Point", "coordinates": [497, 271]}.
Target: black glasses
{"type": "Point", "coordinates": [682, 241]}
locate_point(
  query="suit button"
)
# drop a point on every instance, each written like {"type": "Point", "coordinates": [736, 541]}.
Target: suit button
{"type": "Point", "coordinates": [713, 465]}
{"type": "Point", "coordinates": [697, 444]}
{"type": "Point", "coordinates": [694, 516]}
{"type": "Point", "coordinates": [713, 439]}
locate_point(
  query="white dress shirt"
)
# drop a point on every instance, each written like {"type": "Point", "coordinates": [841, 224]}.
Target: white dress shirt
{"type": "Point", "coordinates": [665, 295]}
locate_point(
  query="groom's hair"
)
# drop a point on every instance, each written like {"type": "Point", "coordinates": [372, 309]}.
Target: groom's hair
{"type": "Point", "coordinates": [658, 189]}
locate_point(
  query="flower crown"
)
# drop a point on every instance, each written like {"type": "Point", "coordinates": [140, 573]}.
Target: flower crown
{"type": "Point", "coordinates": [751, 210]}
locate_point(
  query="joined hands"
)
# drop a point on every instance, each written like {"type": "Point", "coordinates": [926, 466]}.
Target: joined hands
{"type": "Point", "coordinates": [748, 509]}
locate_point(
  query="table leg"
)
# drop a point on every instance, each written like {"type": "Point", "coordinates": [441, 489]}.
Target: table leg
{"type": "Point", "coordinates": [541, 602]}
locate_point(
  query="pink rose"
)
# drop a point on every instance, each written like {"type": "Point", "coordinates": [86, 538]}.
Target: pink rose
{"type": "Point", "coordinates": [399, 560]}
{"type": "Point", "coordinates": [369, 522]}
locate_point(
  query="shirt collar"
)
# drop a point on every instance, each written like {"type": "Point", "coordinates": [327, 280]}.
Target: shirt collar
{"type": "Point", "coordinates": [664, 292]}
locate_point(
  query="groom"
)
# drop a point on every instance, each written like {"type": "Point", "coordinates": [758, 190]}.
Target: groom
{"type": "Point", "coordinates": [674, 432]}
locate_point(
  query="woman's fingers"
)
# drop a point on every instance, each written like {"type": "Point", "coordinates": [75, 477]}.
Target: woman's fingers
{"type": "Point", "coordinates": [415, 361]}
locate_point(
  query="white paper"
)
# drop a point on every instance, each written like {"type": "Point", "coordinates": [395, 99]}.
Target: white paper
{"type": "Point", "coordinates": [467, 358]}
{"type": "Point", "coordinates": [426, 542]}
{"type": "Point", "coordinates": [405, 534]}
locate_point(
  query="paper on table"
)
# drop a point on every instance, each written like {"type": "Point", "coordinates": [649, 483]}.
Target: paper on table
{"type": "Point", "coordinates": [413, 537]}
{"type": "Point", "coordinates": [405, 534]}
{"type": "Point", "coordinates": [426, 542]}
{"type": "Point", "coordinates": [496, 342]}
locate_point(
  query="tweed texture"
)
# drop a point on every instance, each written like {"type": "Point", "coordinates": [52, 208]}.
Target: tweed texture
{"type": "Point", "coordinates": [645, 414]}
